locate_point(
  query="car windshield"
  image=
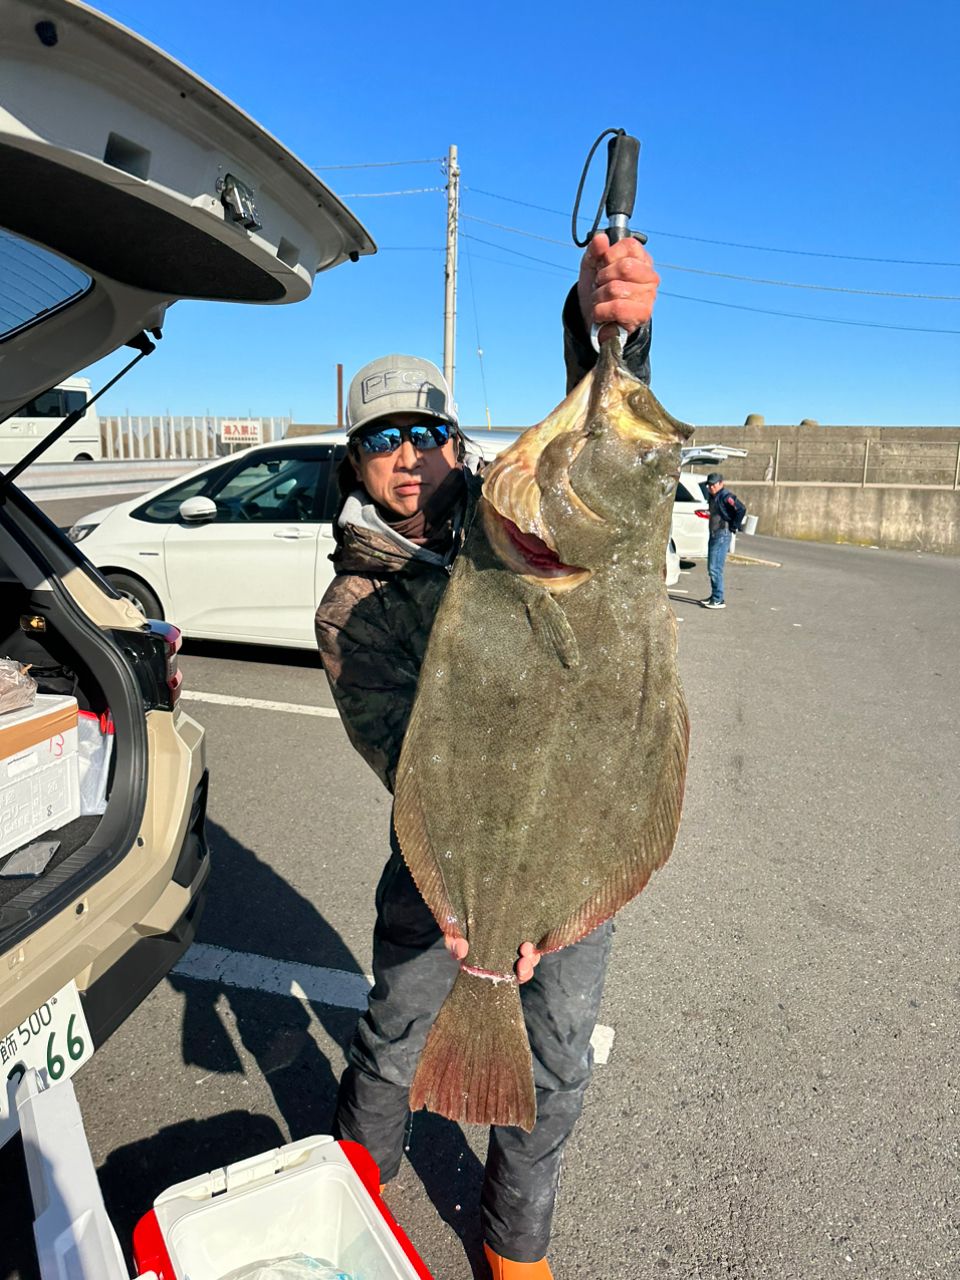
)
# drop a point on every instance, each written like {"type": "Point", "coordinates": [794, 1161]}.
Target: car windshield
{"type": "Point", "coordinates": [33, 283]}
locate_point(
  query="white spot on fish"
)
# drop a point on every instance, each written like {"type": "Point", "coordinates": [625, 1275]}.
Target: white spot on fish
{"type": "Point", "coordinates": [435, 759]}
{"type": "Point", "coordinates": [448, 854]}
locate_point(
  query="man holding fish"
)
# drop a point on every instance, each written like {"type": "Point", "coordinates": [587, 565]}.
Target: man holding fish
{"type": "Point", "coordinates": [409, 506]}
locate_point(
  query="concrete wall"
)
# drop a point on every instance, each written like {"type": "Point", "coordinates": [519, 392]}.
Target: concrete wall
{"type": "Point", "coordinates": [893, 455]}
{"type": "Point", "coordinates": [910, 519]}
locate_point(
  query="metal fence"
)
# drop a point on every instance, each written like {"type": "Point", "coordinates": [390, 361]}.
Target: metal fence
{"type": "Point", "coordinates": [171, 436]}
{"type": "Point", "coordinates": [915, 464]}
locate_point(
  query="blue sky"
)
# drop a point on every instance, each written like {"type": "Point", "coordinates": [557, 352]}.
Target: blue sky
{"type": "Point", "coordinates": [827, 128]}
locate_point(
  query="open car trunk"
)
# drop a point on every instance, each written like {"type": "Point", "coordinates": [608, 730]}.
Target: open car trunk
{"type": "Point", "coordinates": [68, 656]}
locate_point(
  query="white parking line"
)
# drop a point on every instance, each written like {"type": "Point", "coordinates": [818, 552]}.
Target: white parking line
{"type": "Point", "coordinates": [311, 982]}
{"type": "Point", "coordinates": [261, 704]}
{"type": "Point", "coordinates": [602, 1041]}
{"type": "Point", "coordinates": [277, 977]}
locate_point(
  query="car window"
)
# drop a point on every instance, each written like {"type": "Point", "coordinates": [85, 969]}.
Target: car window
{"type": "Point", "coordinates": [46, 405]}
{"type": "Point", "coordinates": [685, 495]}
{"type": "Point", "coordinates": [74, 401]}
{"type": "Point", "coordinates": [273, 488]}
{"type": "Point", "coordinates": [166, 506]}
{"type": "Point", "coordinates": [284, 486]}
{"type": "Point", "coordinates": [34, 283]}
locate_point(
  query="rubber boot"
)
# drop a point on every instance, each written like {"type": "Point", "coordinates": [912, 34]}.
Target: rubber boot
{"type": "Point", "coordinates": [504, 1269]}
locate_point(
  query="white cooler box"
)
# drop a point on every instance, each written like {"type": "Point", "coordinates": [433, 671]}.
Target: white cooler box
{"type": "Point", "coordinates": [39, 770]}
{"type": "Point", "coordinates": [316, 1197]}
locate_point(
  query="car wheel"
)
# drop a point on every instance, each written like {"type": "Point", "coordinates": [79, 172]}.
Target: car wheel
{"type": "Point", "coordinates": [84, 457]}
{"type": "Point", "coordinates": [137, 593]}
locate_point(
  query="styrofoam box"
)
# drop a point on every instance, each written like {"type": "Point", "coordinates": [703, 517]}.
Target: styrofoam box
{"type": "Point", "coordinates": [39, 770]}
{"type": "Point", "coordinates": [303, 1198]}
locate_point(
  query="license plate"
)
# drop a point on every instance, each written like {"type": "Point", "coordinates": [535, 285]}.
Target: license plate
{"type": "Point", "coordinates": [54, 1038]}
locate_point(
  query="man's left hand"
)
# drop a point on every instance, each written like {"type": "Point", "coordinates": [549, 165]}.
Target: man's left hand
{"type": "Point", "coordinates": [528, 956]}
{"type": "Point", "coordinates": [618, 283]}
{"type": "Point", "coordinates": [529, 959]}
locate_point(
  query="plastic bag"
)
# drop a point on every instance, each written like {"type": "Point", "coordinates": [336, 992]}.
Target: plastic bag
{"type": "Point", "coordinates": [94, 749]}
{"type": "Point", "coordinates": [296, 1267]}
{"type": "Point", "coordinates": [17, 688]}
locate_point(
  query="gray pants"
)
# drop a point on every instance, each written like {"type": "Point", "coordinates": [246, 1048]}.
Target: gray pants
{"type": "Point", "coordinates": [413, 973]}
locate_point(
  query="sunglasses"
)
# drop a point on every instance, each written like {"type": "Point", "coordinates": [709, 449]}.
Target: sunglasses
{"type": "Point", "coordinates": [422, 436]}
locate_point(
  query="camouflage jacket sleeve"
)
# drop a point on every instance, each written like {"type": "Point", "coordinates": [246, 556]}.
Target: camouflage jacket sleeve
{"type": "Point", "coordinates": [371, 637]}
{"type": "Point", "coordinates": [580, 356]}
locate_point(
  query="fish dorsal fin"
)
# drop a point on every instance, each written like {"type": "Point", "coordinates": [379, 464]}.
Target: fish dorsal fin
{"type": "Point", "coordinates": [549, 624]}
{"type": "Point", "coordinates": [652, 848]}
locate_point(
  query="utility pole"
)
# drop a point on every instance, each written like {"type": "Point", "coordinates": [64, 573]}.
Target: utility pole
{"type": "Point", "coordinates": [450, 268]}
{"type": "Point", "coordinates": [340, 395]}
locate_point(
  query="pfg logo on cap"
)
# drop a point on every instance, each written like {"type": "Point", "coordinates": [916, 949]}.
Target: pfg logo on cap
{"type": "Point", "coordinates": [392, 381]}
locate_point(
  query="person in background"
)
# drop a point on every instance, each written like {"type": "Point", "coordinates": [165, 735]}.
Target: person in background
{"type": "Point", "coordinates": [726, 518]}
{"type": "Point", "coordinates": [409, 495]}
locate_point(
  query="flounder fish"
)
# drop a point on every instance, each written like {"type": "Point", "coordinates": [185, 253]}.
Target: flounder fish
{"type": "Point", "coordinates": [542, 772]}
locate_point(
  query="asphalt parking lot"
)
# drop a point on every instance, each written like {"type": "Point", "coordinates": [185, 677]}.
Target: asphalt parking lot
{"type": "Point", "coordinates": [779, 1096]}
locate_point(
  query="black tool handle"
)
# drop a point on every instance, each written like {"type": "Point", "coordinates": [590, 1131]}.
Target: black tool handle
{"type": "Point", "coordinates": [623, 157]}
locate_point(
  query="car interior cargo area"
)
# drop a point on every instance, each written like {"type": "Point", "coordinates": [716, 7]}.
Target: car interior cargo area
{"type": "Point", "coordinates": [56, 749]}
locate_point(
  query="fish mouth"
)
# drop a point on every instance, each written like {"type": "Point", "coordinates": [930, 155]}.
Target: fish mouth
{"type": "Point", "coordinates": [535, 503]}
{"type": "Point", "coordinates": [528, 555]}
{"type": "Point", "coordinates": [511, 502]}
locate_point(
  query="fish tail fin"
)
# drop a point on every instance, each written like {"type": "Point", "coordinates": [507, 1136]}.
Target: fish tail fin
{"type": "Point", "coordinates": [476, 1065]}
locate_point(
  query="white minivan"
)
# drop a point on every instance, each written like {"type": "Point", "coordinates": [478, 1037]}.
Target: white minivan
{"type": "Point", "coordinates": [81, 443]}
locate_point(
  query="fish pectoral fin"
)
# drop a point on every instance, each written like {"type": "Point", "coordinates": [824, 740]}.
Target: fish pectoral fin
{"type": "Point", "coordinates": [549, 624]}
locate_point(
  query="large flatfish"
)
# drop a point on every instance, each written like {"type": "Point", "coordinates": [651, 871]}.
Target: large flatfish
{"type": "Point", "coordinates": [542, 772]}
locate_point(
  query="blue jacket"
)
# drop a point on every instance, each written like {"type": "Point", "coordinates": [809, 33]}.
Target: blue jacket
{"type": "Point", "coordinates": [726, 512]}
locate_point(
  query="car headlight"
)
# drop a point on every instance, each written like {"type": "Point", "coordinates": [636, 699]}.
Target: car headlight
{"type": "Point", "coordinates": [78, 532]}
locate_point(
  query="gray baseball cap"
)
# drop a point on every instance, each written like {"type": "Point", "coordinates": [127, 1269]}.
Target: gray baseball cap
{"type": "Point", "coordinates": [398, 384]}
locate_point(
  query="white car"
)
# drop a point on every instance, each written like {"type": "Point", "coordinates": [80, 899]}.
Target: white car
{"type": "Point", "coordinates": [239, 549]}
{"type": "Point", "coordinates": [691, 514]}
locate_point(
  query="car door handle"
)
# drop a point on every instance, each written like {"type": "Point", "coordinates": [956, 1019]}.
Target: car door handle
{"type": "Point", "coordinates": [290, 534]}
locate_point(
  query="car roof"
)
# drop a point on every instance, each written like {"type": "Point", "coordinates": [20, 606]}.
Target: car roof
{"type": "Point", "coordinates": [130, 183]}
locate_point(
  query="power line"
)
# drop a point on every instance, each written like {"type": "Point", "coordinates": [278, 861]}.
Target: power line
{"type": "Point", "coordinates": [378, 164]}
{"type": "Point", "coordinates": [820, 288]}
{"type": "Point", "coordinates": [516, 252]}
{"type": "Point", "coordinates": [370, 195]}
{"type": "Point", "coordinates": [712, 302]}
{"type": "Point", "coordinates": [726, 275]}
{"type": "Point", "coordinates": [800, 315]}
{"type": "Point", "coordinates": [733, 244]}
{"type": "Point", "coordinates": [476, 322]}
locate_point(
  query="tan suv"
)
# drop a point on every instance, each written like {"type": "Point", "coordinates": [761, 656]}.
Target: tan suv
{"type": "Point", "coordinates": [128, 184]}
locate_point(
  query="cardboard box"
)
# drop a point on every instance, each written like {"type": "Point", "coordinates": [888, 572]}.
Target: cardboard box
{"type": "Point", "coordinates": [39, 771]}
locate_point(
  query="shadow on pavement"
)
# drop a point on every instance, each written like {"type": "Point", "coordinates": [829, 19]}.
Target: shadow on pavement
{"type": "Point", "coordinates": [133, 1176]}
{"type": "Point", "coordinates": [267, 655]}
{"type": "Point", "coordinates": [252, 908]}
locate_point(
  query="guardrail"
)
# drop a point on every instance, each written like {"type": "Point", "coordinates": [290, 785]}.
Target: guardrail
{"type": "Point", "coordinates": [55, 480]}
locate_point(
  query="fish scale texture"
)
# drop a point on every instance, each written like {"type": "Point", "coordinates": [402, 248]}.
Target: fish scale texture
{"type": "Point", "coordinates": [541, 777]}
